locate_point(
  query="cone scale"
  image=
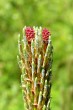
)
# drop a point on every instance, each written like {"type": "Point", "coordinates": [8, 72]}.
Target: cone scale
{"type": "Point", "coordinates": [35, 62]}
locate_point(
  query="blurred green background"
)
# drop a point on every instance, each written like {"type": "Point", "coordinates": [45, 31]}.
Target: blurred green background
{"type": "Point", "coordinates": [57, 16]}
